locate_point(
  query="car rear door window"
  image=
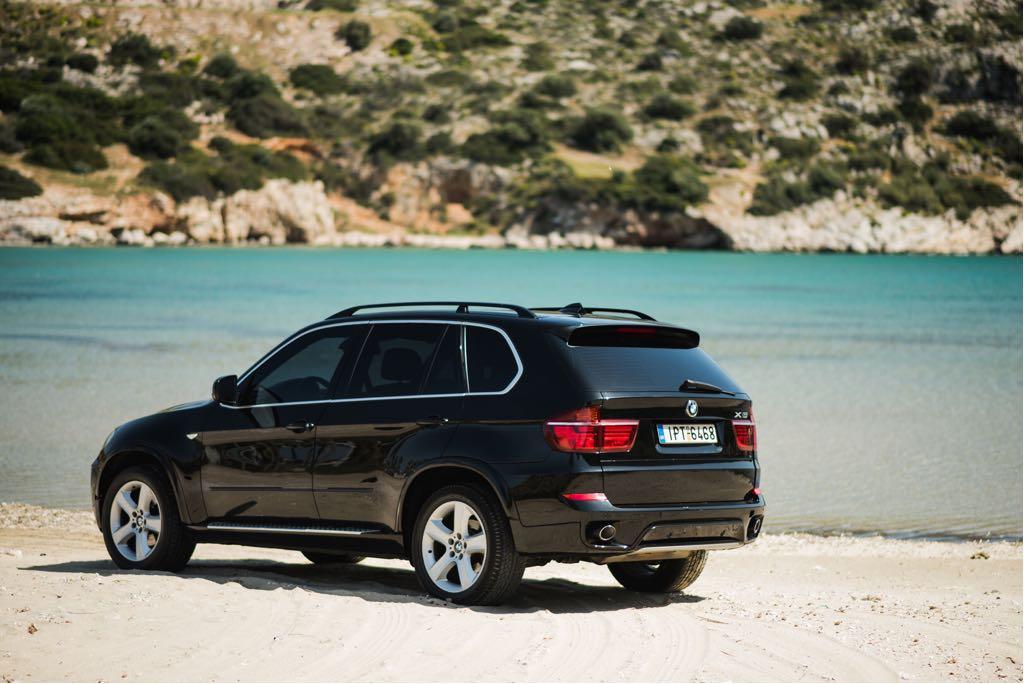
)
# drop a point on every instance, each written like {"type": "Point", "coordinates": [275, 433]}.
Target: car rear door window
{"type": "Point", "coordinates": [491, 363]}
{"type": "Point", "coordinates": [446, 375]}
{"type": "Point", "coordinates": [306, 369]}
{"type": "Point", "coordinates": [395, 360]}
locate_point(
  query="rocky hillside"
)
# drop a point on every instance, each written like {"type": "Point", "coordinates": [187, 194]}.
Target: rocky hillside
{"type": "Point", "coordinates": [861, 125]}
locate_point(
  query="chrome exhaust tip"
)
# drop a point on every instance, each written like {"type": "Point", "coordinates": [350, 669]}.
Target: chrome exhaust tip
{"type": "Point", "coordinates": [606, 533]}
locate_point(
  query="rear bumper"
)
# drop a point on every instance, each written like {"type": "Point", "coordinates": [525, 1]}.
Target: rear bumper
{"type": "Point", "coordinates": [642, 533]}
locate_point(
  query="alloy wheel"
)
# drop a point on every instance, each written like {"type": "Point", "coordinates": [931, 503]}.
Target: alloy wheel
{"type": "Point", "coordinates": [135, 520]}
{"type": "Point", "coordinates": [454, 546]}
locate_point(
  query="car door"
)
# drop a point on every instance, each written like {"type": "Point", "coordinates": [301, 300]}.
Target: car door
{"type": "Point", "coordinates": [258, 453]}
{"type": "Point", "coordinates": [403, 403]}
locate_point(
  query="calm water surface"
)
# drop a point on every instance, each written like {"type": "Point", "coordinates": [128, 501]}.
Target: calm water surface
{"type": "Point", "coordinates": [887, 389]}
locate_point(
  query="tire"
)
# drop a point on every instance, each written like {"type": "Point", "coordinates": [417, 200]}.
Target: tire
{"type": "Point", "coordinates": [168, 545]}
{"type": "Point", "coordinates": [667, 576]}
{"type": "Point", "coordinates": [323, 558]}
{"type": "Point", "coordinates": [483, 566]}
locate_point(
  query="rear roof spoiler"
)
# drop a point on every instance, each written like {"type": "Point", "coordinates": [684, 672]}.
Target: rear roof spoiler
{"type": "Point", "coordinates": [461, 307]}
{"type": "Point", "coordinates": [578, 310]}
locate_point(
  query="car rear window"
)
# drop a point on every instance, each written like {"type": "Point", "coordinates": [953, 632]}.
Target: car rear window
{"type": "Point", "coordinates": [610, 359]}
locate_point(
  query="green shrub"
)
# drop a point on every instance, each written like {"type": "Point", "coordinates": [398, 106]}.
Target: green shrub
{"type": "Point", "coordinates": [172, 87]}
{"type": "Point", "coordinates": [15, 87]}
{"type": "Point", "coordinates": [667, 144]}
{"type": "Point", "coordinates": [870, 157]}
{"type": "Point", "coordinates": [248, 84]}
{"type": "Point", "coordinates": [264, 116]}
{"type": "Point", "coordinates": [9, 143]}
{"type": "Point", "coordinates": [600, 130]}
{"type": "Point", "coordinates": [471, 35]}
{"type": "Point", "coordinates": [775, 195]}
{"type": "Point", "coordinates": [336, 5]}
{"type": "Point", "coordinates": [399, 141]}
{"type": "Point", "coordinates": [795, 149]}
{"type": "Point", "coordinates": [43, 119]}
{"type": "Point", "coordinates": [665, 106]}
{"type": "Point", "coordinates": [903, 34]}
{"type": "Point", "coordinates": [440, 143]}
{"type": "Point", "coordinates": [135, 110]}
{"type": "Point", "coordinates": [437, 113]}
{"type": "Point", "coordinates": [153, 139]}
{"type": "Point", "coordinates": [538, 57]}
{"type": "Point", "coordinates": [848, 5]}
{"type": "Point", "coordinates": [449, 78]}
{"type": "Point", "coordinates": [134, 48]}
{"type": "Point", "coordinates": [683, 85]}
{"type": "Point", "coordinates": [402, 47]}
{"type": "Point", "coordinates": [915, 111]}
{"type": "Point", "coordinates": [556, 86]}
{"type": "Point", "coordinates": [178, 181]}
{"type": "Point", "coordinates": [221, 66]}
{"type": "Point", "coordinates": [318, 78]}
{"type": "Point", "coordinates": [853, 60]}
{"type": "Point", "coordinates": [515, 135]}
{"type": "Point", "coordinates": [824, 180]}
{"type": "Point", "coordinates": [925, 9]}
{"type": "Point", "coordinates": [959, 33]}
{"type": "Point", "coordinates": [668, 183]}
{"type": "Point", "coordinates": [671, 40]}
{"type": "Point", "coordinates": [883, 116]}
{"type": "Point", "coordinates": [14, 186]}
{"type": "Point", "coordinates": [719, 131]}
{"type": "Point", "coordinates": [915, 78]}
{"type": "Point", "coordinates": [839, 125]}
{"type": "Point", "coordinates": [83, 61]}
{"type": "Point", "coordinates": [67, 155]}
{"type": "Point", "coordinates": [743, 28]}
{"type": "Point", "coordinates": [800, 82]}
{"type": "Point", "coordinates": [356, 34]}
{"type": "Point", "coordinates": [971, 125]}
{"type": "Point", "coordinates": [650, 62]}
{"type": "Point", "coordinates": [932, 190]}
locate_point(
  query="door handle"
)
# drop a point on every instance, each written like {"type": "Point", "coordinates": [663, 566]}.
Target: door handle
{"type": "Point", "coordinates": [432, 420]}
{"type": "Point", "coordinates": [300, 426]}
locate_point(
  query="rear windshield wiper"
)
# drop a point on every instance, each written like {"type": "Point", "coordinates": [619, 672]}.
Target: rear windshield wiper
{"type": "Point", "coordinates": [700, 386]}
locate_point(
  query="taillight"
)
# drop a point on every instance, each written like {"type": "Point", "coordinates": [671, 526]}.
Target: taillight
{"type": "Point", "coordinates": [584, 431]}
{"type": "Point", "coordinates": [746, 433]}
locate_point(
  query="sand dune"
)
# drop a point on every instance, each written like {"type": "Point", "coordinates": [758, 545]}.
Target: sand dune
{"type": "Point", "coordinates": [791, 607]}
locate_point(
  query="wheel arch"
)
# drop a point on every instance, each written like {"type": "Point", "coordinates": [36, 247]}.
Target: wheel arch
{"type": "Point", "coordinates": [426, 480]}
{"type": "Point", "coordinates": [141, 456]}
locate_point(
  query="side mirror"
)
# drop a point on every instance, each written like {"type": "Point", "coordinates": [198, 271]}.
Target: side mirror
{"type": "Point", "coordinates": [225, 389]}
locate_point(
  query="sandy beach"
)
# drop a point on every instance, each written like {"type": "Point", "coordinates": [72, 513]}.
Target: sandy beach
{"type": "Point", "coordinates": [788, 608]}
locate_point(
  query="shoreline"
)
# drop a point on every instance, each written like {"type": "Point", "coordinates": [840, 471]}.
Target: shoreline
{"type": "Point", "coordinates": [441, 243]}
{"type": "Point", "coordinates": [791, 607]}
{"type": "Point", "coordinates": [23, 515]}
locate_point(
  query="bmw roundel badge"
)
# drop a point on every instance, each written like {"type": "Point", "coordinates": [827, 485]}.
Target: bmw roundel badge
{"type": "Point", "coordinates": [691, 408]}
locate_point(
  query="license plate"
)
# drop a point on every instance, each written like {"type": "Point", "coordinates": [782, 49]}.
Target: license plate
{"type": "Point", "coordinates": [699, 433]}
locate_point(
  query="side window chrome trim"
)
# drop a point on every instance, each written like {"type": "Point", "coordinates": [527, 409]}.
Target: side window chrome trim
{"type": "Point", "coordinates": [508, 388]}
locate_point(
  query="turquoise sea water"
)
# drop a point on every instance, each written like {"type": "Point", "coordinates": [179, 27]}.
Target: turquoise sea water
{"type": "Point", "coordinates": [887, 388]}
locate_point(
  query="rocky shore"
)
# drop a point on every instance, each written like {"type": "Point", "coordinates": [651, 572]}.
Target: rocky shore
{"type": "Point", "coordinates": [284, 212]}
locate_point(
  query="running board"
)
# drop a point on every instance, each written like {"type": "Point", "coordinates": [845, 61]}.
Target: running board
{"type": "Point", "coordinates": [288, 529]}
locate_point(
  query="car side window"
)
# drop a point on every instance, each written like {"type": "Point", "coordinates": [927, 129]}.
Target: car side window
{"type": "Point", "coordinates": [446, 375]}
{"type": "Point", "coordinates": [492, 365]}
{"type": "Point", "coordinates": [395, 359]}
{"type": "Point", "coordinates": [305, 370]}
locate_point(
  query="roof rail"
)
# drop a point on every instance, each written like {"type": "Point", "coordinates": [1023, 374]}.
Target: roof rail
{"type": "Point", "coordinates": [577, 309]}
{"type": "Point", "coordinates": [461, 307]}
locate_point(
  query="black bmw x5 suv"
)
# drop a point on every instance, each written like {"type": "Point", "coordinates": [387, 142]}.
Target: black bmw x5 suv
{"type": "Point", "coordinates": [473, 439]}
